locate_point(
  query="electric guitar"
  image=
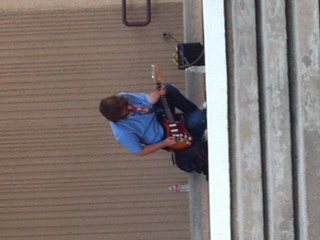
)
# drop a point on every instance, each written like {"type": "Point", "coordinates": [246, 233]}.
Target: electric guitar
{"type": "Point", "coordinates": [172, 127]}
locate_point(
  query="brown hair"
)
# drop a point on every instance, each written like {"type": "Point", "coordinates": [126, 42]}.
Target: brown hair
{"type": "Point", "coordinates": [111, 107]}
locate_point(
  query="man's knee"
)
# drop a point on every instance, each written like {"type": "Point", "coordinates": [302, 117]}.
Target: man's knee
{"type": "Point", "coordinates": [195, 119]}
{"type": "Point", "coordinates": [170, 88]}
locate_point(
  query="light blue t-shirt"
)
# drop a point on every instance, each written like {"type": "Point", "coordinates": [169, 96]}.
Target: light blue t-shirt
{"type": "Point", "coordinates": [138, 128]}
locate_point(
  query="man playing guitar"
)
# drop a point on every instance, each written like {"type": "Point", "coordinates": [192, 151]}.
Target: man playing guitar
{"type": "Point", "coordinates": [137, 122]}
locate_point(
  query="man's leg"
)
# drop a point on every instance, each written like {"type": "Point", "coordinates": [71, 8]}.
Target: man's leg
{"type": "Point", "coordinates": [196, 123]}
{"type": "Point", "coordinates": [177, 100]}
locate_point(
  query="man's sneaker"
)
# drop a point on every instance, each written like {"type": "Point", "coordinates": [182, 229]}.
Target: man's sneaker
{"type": "Point", "coordinates": [204, 106]}
{"type": "Point", "coordinates": [204, 137]}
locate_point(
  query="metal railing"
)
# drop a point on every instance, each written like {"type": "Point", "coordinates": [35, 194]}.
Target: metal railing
{"type": "Point", "coordinates": [136, 23]}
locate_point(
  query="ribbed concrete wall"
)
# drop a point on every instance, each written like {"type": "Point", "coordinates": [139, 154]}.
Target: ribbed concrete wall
{"type": "Point", "coordinates": [274, 73]}
{"type": "Point", "coordinates": [304, 72]}
{"type": "Point", "coordinates": [62, 175]}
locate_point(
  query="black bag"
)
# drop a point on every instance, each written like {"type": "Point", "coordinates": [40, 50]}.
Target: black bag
{"type": "Point", "coordinates": [193, 159]}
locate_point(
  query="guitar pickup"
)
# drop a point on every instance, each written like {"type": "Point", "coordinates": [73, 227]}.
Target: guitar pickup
{"type": "Point", "coordinates": [172, 125]}
{"type": "Point", "coordinates": [174, 130]}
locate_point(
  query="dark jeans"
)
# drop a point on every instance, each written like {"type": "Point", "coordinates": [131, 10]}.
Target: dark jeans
{"type": "Point", "coordinates": [195, 119]}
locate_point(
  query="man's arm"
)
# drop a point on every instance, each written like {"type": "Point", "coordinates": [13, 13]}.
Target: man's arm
{"type": "Point", "coordinates": [155, 147]}
{"type": "Point", "coordinates": [154, 96]}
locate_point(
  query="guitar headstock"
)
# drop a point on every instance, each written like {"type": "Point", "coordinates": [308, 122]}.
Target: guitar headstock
{"type": "Point", "coordinates": [156, 73]}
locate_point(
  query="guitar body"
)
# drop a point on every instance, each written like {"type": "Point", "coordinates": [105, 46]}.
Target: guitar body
{"type": "Point", "coordinates": [177, 130]}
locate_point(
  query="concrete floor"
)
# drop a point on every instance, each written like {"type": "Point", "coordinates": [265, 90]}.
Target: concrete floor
{"type": "Point", "coordinates": [195, 91]}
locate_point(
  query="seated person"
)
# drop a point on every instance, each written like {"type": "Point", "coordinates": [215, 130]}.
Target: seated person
{"type": "Point", "coordinates": [135, 118]}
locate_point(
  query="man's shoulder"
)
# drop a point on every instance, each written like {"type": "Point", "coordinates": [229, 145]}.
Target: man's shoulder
{"type": "Point", "coordinates": [120, 127]}
{"type": "Point", "coordinates": [118, 130]}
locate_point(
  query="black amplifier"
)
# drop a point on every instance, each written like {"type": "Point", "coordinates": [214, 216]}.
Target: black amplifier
{"type": "Point", "coordinates": [190, 54]}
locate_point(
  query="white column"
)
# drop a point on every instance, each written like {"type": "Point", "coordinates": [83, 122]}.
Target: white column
{"type": "Point", "coordinates": [217, 109]}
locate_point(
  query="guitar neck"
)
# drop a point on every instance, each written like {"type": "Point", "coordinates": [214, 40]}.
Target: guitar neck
{"type": "Point", "coordinates": [165, 104]}
{"type": "Point", "coordinates": [156, 76]}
